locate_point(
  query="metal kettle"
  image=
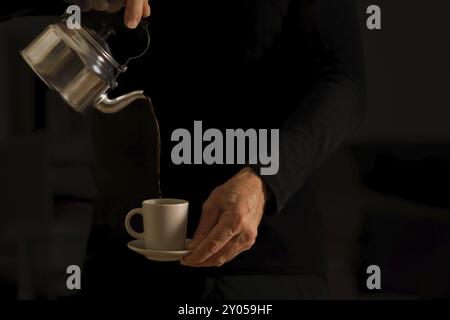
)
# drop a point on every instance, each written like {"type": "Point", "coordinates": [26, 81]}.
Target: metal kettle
{"type": "Point", "coordinates": [78, 64]}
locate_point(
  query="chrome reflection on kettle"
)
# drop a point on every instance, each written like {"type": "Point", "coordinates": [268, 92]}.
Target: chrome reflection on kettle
{"type": "Point", "coordinates": [78, 65]}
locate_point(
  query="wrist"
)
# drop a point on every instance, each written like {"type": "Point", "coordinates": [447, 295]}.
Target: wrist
{"type": "Point", "coordinates": [258, 181]}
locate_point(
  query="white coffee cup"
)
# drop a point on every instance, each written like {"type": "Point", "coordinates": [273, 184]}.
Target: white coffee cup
{"type": "Point", "coordinates": [165, 224]}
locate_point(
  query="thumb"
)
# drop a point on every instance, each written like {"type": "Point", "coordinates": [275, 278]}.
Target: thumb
{"type": "Point", "coordinates": [208, 220]}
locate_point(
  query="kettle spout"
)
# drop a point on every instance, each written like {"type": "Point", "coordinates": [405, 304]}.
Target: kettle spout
{"type": "Point", "coordinates": [107, 105]}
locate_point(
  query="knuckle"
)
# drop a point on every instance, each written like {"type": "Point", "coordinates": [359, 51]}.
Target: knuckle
{"type": "Point", "coordinates": [240, 221]}
{"type": "Point", "coordinates": [248, 245]}
{"type": "Point", "coordinates": [229, 232]}
{"type": "Point", "coordinates": [221, 261]}
{"type": "Point", "coordinates": [253, 234]}
{"type": "Point", "coordinates": [249, 236]}
{"type": "Point", "coordinates": [251, 243]}
{"type": "Point", "coordinates": [212, 246]}
{"type": "Point", "coordinates": [239, 224]}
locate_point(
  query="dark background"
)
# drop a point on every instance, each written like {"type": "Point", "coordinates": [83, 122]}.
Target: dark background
{"type": "Point", "coordinates": [384, 196]}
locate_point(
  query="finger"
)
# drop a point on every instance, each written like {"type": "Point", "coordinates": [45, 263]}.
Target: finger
{"type": "Point", "coordinates": [115, 5]}
{"type": "Point", "coordinates": [147, 10]}
{"type": "Point", "coordinates": [227, 253]}
{"type": "Point", "coordinates": [216, 239]}
{"type": "Point", "coordinates": [133, 13]}
{"type": "Point", "coordinates": [233, 248]}
{"type": "Point", "coordinates": [209, 218]}
{"type": "Point", "coordinates": [101, 5]}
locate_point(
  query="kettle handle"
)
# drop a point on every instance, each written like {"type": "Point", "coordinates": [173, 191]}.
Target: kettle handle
{"type": "Point", "coordinates": [144, 24]}
{"type": "Point", "coordinates": [122, 68]}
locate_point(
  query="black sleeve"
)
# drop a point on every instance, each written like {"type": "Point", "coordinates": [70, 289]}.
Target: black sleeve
{"type": "Point", "coordinates": [334, 106]}
{"type": "Point", "coordinates": [32, 7]}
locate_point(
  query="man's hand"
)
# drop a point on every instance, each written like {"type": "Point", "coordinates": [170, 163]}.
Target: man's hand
{"type": "Point", "coordinates": [134, 12]}
{"type": "Point", "coordinates": [229, 222]}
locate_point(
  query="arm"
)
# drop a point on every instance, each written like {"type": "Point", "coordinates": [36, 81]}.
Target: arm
{"type": "Point", "coordinates": [334, 106]}
{"type": "Point", "coordinates": [329, 114]}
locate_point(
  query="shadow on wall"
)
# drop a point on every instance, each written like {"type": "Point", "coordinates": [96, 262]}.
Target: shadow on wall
{"type": "Point", "coordinates": [408, 73]}
{"type": "Point", "coordinates": [384, 199]}
{"type": "Point", "coordinates": [46, 184]}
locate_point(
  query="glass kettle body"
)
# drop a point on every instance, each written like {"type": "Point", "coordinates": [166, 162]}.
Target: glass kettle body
{"type": "Point", "coordinates": [79, 66]}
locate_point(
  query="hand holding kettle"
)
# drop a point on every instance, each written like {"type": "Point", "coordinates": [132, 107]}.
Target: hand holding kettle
{"type": "Point", "coordinates": [134, 12]}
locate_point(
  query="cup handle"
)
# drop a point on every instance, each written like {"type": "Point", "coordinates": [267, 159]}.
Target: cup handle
{"type": "Point", "coordinates": [130, 230]}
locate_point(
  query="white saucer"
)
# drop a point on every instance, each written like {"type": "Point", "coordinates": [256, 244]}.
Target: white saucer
{"type": "Point", "coordinates": [157, 255]}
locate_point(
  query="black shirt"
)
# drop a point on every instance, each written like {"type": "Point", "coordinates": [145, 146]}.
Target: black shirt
{"type": "Point", "coordinates": [293, 65]}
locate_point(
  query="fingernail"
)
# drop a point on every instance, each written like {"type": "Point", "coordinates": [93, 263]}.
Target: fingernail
{"type": "Point", "coordinates": [132, 23]}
